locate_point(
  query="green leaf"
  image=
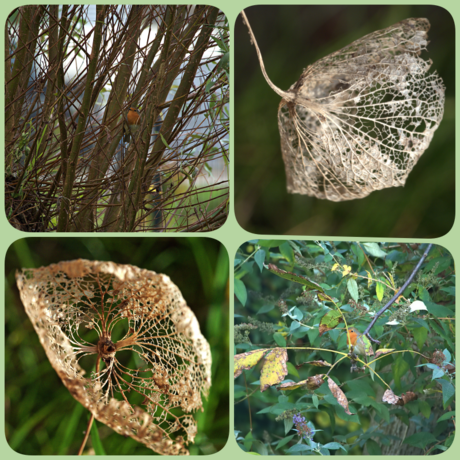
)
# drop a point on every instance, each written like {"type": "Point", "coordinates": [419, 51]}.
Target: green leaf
{"type": "Point", "coordinates": [271, 243]}
{"type": "Point", "coordinates": [315, 400]}
{"type": "Point", "coordinates": [96, 440]}
{"type": "Point", "coordinates": [439, 310]}
{"type": "Point", "coordinates": [353, 289]}
{"type": "Point", "coordinates": [424, 407]}
{"type": "Point", "coordinates": [298, 448]}
{"type": "Point", "coordinates": [334, 446]}
{"type": "Point", "coordinates": [279, 339]}
{"type": "Point", "coordinates": [448, 390]}
{"type": "Point", "coordinates": [287, 252]}
{"type": "Point", "coordinates": [240, 291]}
{"type": "Point", "coordinates": [361, 386]}
{"type": "Point", "coordinates": [373, 447]}
{"type": "Point", "coordinates": [164, 141]}
{"type": "Point", "coordinates": [259, 257]}
{"type": "Point", "coordinates": [421, 439]}
{"type": "Point", "coordinates": [260, 447]}
{"type": "Point", "coordinates": [380, 291]}
{"type": "Point", "coordinates": [285, 440]}
{"type": "Point", "coordinates": [420, 336]}
{"type": "Point", "coordinates": [248, 440]}
{"type": "Point", "coordinates": [450, 290]}
{"type": "Point", "coordinates": [265, 309]}
{"type": "Point", "coordinates": [358, 252]}
{"type": "Point", "coordinates": [288, 424]}
{"type": "Point", "coordinates": [399, 368]}
{"type": "Point", "coordinates": [208, 86]}
{"type": "Point", "coordinates": [292, 370]}
{"type": "Point", "coordinates": [446, 416]}
{"type": "Point", "coordinates": [374, 250]}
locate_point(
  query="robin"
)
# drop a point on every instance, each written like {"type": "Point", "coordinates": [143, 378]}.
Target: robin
{"type": "Point", "coordinates": [360, 343]}
{"type": "Point", "coordinates": [133, 117]}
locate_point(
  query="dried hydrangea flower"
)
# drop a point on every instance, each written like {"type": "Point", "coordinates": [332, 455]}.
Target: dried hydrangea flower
{"type": "Point", "coordinates": [359, 119]}
{"type": "Point", "coordinates": [105, 317]}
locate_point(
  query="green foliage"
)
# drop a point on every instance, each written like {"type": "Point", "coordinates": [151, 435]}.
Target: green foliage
{"type": "Point", "coordinates": [410, 379]}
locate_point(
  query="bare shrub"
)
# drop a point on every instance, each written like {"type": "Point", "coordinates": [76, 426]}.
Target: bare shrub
{"type": "Point", "coordinates": [132, 332]}
{"type": "Point", "coordinates": [71, 74]}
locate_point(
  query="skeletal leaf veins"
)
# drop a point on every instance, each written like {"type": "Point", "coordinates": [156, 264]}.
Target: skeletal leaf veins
{"type": "Point", "coordinates": [359, 119]}
{"type": "Point", "coordinates": [126, 346]}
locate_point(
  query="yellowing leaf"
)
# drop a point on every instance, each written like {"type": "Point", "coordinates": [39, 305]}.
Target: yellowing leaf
{"type": "Point", "coordinates": [346, 270]}
{"type": "Point", "coordinates": [274, 368]}
{"type": "Point", "coordinates": [383, 351]}
{"type": "Point", "coordinates": [292, 385]}
{"type": "Point", "coordinates": [312, 383]}
{"type": "Point", "coordinates": [335, 267]}
{"type": "Point", "coordinates": [319, 363]}
{"type": "Point", "coordinates": [247, 360]}
{"type": "Point", "coordinates": [324, 297]}
{"type": "Point", "coordinates": [307, 282]}
{"type": "Point", "coordinates": [330, 321]}
{"type": "Point", "coordinates": [369, 279]}
{"type": "Point", "coordinates": [380, 291]}
{"type": "Point", "coordinates": [391, 279]}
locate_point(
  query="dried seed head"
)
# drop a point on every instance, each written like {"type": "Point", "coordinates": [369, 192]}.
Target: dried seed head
{"type": "Point", "coordinates": [157, 365]}
{"type": "Point", "coordinates": [359, 119]}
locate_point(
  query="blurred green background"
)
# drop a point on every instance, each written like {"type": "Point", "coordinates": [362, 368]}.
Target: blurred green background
{"type": "Point", "coordinates": [291, 38]}
{"type": "Point", "coordinates": [41, 417]}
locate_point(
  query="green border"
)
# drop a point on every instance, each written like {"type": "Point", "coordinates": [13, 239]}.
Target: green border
{"type": "Point", "coordinates": [231, 234]}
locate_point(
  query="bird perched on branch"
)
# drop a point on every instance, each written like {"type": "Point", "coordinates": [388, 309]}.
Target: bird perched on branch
{"type": "Point", "coordinates": [360, 343]}
{"type": "Point", "coordinates": [133, 118]}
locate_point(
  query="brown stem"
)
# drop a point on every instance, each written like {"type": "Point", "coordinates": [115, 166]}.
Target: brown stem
{"type": "Point", "coordinates": [393, 299]}
{"type": "Point", "coordinates": [90, 421]}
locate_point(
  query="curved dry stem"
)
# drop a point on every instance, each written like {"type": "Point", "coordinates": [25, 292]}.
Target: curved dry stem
{"type": "Point", "coordinates": [285, 95]}
{"type": "Point", "coordinates": [90, 422]}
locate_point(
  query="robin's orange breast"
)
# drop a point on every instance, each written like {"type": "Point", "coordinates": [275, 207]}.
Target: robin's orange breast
{"type": "Point", "coordinates": [133, 116]}
{"type": "Point", "coordinates": [352, 336]}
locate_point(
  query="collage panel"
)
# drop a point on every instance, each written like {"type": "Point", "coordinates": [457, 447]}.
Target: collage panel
{"type": "Point", "coordinates": [355, 131]}
{"type": "Point", "coordinates": [344, 348]}
{"type": "Point", "coordinates": [122, 339]}
{"type": "Point", "coordinates": [117, 118]}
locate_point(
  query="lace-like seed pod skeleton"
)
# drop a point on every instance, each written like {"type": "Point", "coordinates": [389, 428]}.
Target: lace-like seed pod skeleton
{"type": "Point", "coordinates": [87, 308]}
{"type": "Point", "coordinates": [359, 119]}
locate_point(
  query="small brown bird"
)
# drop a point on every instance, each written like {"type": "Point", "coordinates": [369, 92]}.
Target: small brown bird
{"type": "Point", "coordinates": [133, 119]}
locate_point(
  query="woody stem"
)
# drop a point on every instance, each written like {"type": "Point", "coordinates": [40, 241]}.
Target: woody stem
{"type": "Point", "coordinates": [90, 421]}
{"type": "Point", "coordinates": [393, 299]}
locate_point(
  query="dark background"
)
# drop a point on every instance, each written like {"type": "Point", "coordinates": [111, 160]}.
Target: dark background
{"type": "Point", "coordinates": [41, 417]}
{"type": "Point", "coordinates": [291, 38]}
